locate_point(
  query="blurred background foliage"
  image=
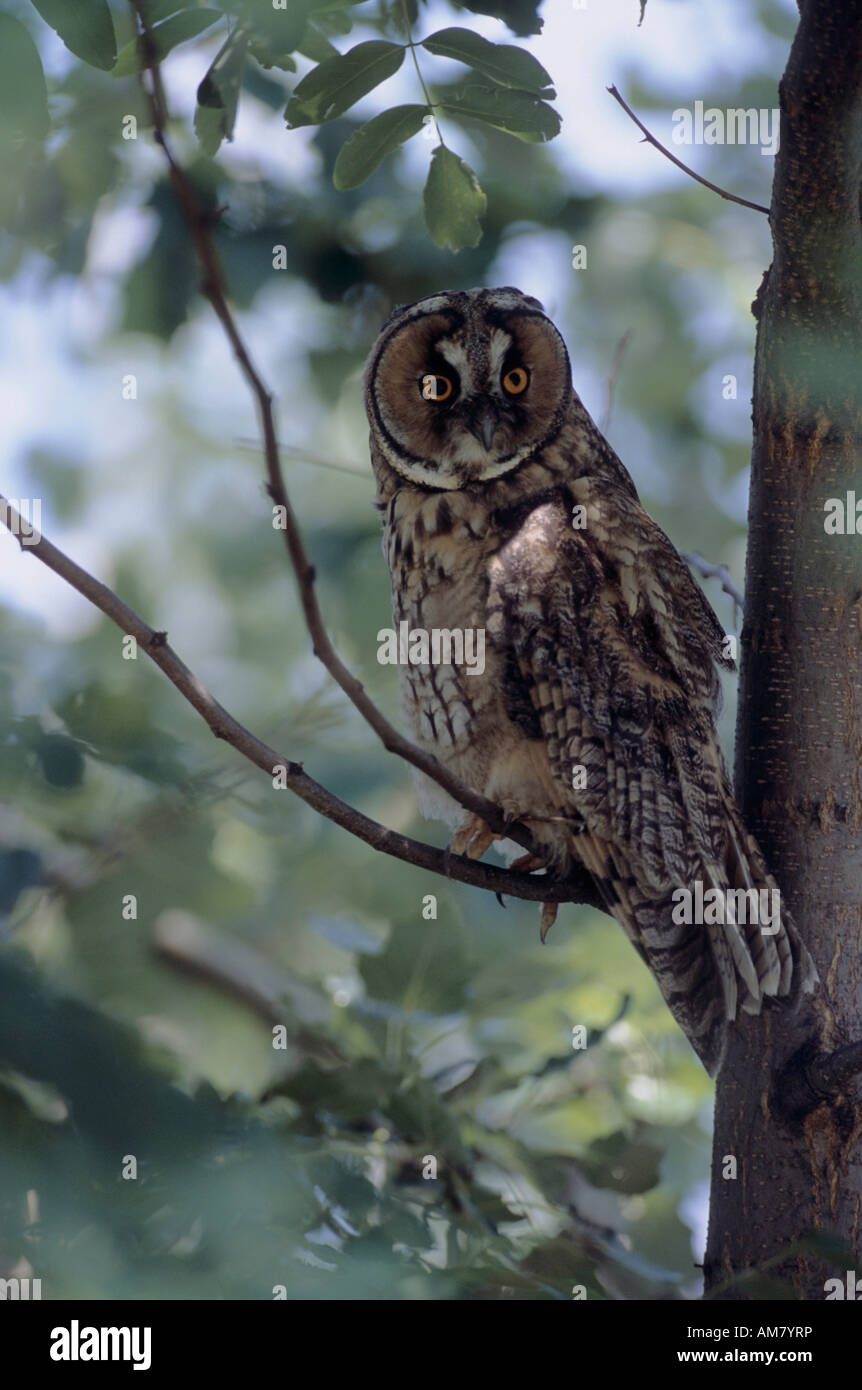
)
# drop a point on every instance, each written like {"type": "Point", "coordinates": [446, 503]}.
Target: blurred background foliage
{"type": "Point", "coordinates": [162, 909]}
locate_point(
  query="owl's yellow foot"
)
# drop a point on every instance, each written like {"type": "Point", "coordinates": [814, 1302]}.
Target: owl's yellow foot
{"type": "Point", "coordinates": [527, 863]}
{"type": "Point", "coordinates": [549, 917]}
{"type": "Point", "coordinates": [472, 838]}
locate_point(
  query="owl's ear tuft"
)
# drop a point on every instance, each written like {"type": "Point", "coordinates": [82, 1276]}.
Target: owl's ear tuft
{"type": "Point", "coordinates": [396, 313]}
{"type": "Point", "coordinates": [527, 298]}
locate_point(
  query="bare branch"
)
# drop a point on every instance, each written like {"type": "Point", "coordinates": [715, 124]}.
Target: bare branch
{"type": "Point", "coordinates": [613, 375]}
{"type": "Point", "coordinates": [708, 571]}
{"type": "Point", "coordinates": [578, 887]}
{"type": "Point", "coordinates": [219, 958]}
{"type": "Point", "coordinates": [305, 456]}
{"type": "Point", "coordinates": [651, 140]}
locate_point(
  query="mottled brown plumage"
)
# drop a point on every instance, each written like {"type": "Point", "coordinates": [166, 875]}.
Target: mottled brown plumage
{"type": "Point", "coordinates": [505, 510]}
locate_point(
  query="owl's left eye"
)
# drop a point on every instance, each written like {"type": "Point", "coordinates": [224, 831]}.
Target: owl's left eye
{"type": "Point", "coordinates": [516, 381]}
{"type": "Point", "coordinates": [436, 387]}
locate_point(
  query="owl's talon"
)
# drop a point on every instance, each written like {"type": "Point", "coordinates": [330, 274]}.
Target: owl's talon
{"type": "Point", "coordinates": [472, 838]}
{"type": "Point", "coordinates": [549, 917]}
{"type": "Point", "coordinates": [481, 841]}
{"type": "Point", "coordinates": [527, 863]}
{"type": "Point", "coordinates": [470, 826]}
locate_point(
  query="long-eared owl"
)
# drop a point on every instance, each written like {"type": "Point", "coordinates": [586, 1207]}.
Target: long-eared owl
{"type": "Point", "coordinates": [511, 529]}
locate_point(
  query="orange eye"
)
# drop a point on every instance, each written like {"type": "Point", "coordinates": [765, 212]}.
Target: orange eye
{"type": "Point", "coordinates": [436, 388]}
{"type": "Point", "coordinates": [516, 381]}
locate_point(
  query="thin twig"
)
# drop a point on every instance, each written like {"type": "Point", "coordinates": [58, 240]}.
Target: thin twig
{"type": "Point", "coordinates": [432, 106]}
{"type": "Point", "coordinates": [577, 888]}
{"type": "Point", "coordinates": [199, 221]}
{"type": "Point", "coordinates": [223, 961]}
{"type": "Point", "coordinates": [303, 456]}
{"type": "Point", "coordinates": [650, 139]}
{"type": "Point", "coordinates": [708, 571]}
{"type": "Point", "coordinates": [617, 363]}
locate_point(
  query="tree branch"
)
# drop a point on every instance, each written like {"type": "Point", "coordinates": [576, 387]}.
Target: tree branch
{"type": "Point", "coordinates": [651, 140]}
{"type": "Point", "coordinates": [708, 571]}
{"type": "Point", "coordinates": [613, 375]}
{"type": "Point", "coordinates": [578, 887]}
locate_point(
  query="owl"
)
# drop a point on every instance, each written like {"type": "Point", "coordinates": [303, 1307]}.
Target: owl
{"type": "Point", "coordinates": [511, 527]}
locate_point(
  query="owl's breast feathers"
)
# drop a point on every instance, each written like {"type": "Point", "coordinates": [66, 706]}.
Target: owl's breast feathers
{"type": "Point", "coordinates": [617, 647]}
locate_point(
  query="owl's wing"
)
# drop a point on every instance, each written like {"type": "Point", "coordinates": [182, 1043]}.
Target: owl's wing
{"type": "Point", "coordinates": [617, 647]}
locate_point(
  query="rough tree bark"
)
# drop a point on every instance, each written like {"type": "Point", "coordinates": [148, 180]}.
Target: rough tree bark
{"type": "Point", "coordinates": [799, 734]}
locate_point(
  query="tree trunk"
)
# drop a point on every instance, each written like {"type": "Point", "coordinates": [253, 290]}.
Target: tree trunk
{"type": "Point", "coordinates": [799, 731]}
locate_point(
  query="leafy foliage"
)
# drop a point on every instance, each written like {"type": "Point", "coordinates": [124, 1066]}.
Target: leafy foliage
{"type": "Point", "coordinates": [23, 93]}
{"type": "Point", "coordinates": [510, 98]}
{"type": "Point", "coordinates": [166, 36]}
{"type": "Point", "coordinates": [86, 29]}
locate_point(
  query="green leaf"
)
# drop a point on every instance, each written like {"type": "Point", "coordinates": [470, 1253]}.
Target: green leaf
{"type": "Point", "coordinates": [454, 202]}
{"type": "Point", "coordinates": [316, 46]}
{"type": "Point", "coordinates": [23, 94]}
{"type": "Point", "coordinates": [522, 16]}
{"type": "Point", "coordinates": [372, 142]}
{"type": "Point", "coordinates": [262, 55]}
{"type": "Point", "coordinates": [518, 113]}
{"type": "Point", "coordinates": [166, 36]}
{"type": "Point", "coordinates": [62, 760]}
{"type": "Point", "coordinates": [86, 28]}
{"type": "Point", "coordinates": [620, 1163]}
{"type": "Point", "coordinates": [285, 30]}
{"type": "Point", "coordinates": [218, 95]}
{"type": "Point", "coordinates": [279, 31]}
{"type": "Point", "coordinates": [329, 89]}
{"type": "Point", "coordinates": [502, 62]}
{"type": "Point", "coordinates": [19, 869]}
{"type": "Point", "coordinates": [336, 22]}
{"type": "Point", "coordinates": [160, 9]}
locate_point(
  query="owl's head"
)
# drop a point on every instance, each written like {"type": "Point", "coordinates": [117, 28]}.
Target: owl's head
{"type": "Point", "coordinates": [464, 387]}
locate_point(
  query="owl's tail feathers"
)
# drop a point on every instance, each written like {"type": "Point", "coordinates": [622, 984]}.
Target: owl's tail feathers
{"type": "Point", "coordinates": [781, 960]}
{"type": "Point", "coordinates": [689, 975]}
{"type": "Point", "coordinates": [744, 950]}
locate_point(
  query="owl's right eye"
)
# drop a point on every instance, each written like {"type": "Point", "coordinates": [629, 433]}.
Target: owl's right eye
{"type": "Point", "coordinates": [436, 387]}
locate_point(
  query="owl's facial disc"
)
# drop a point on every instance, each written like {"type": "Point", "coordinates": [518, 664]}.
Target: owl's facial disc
{"type": "Point", "coordinates": [465, 396]}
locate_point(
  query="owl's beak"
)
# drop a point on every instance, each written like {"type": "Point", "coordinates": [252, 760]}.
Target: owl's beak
{"type": "Point", "coordinates": [484, 424]}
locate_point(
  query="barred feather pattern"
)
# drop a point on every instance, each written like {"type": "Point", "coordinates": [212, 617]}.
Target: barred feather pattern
{"type": "Point", "coordinates": [624, 684]}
